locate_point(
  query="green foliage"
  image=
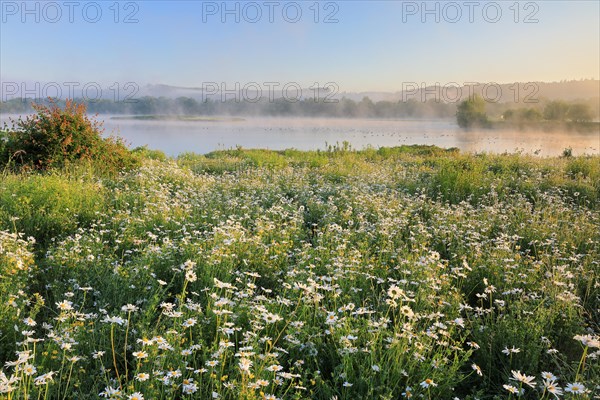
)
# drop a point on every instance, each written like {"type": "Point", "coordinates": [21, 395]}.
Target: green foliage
{"type": "Point", "coordinates": [562, 111]}
{"type": "Point", "coordinates": [522, 115]}
{"type": "Point", "coordinates": [17, 268]}
{"type": "Point", "coordinates": [556, 110]}
{"type": "Point", "coordinates": [509, 115]}
{"type": "Point", "coordinates": [583, 168]}
{"type": "Point", "coordinates": [471, 112]}
{"type": "Point", "coordinates": [55, 137]}
{"type": "Point", "coordinates": [3, 149]}
{"type": "Point", "coordinates": [530, 114]}
{"type": "Point", "coordinates": [579, 113]}
{"type": "Point", "coordinates": [342, 273]}
{"type": "Point", "coordinates": [150, 154]}
{"type": "Point", "coordinates": [48, 206]}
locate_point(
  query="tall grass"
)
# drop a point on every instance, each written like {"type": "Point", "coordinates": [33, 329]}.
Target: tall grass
{"type": "Point", "coordinates": [251, 274]}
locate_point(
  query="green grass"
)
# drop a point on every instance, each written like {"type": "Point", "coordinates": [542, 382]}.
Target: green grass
{"type": "Point", "coordinates": [325, 274]}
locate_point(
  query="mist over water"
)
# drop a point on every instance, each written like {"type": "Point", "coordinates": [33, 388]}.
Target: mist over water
{"type": "Point", "coordinates": [176, 137]}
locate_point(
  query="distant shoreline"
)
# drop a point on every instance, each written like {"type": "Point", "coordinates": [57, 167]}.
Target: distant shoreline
{"type": "Point", "coordinates": [547, 126]}
{"type": "Point", "coordinates": [185, 118]}
{"type": "Point", "coordinates": [538, 126]}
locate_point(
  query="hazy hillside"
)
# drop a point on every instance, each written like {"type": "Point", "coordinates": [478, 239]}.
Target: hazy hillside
{"type": "Point", "coordinates": [566, 90]}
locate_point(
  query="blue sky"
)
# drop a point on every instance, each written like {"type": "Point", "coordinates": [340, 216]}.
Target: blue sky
{"type": "Point", "coordinates": [374, 45]}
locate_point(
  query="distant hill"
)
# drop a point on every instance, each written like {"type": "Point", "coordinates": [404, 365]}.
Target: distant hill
{"type": "Point", "coordinates": [208, 92]}
{"type": "Point", "coordinates": [509, 92]}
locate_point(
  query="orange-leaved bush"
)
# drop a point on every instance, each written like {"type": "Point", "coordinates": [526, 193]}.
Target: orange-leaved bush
{"type": "Point", "coordinates": [54, 137]}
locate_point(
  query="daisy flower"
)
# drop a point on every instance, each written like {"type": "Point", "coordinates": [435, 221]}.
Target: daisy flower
{"type": "Point", "coordinates": [142, 376]}
{"type": "Point", "coordinates": [513, 390]}
{"type": "Point", "coordinates": [549, 376]}
{"type": "Point", "coordinates": [518, 376]}
{"type": "Point", "coordinates": [477, 369]}
{"type": "Point", "coordinates": [427, 383]}
{"type": "Point", "coordinates": [575, 388]}
{"type": "Point", "coordinates": [553, 388]}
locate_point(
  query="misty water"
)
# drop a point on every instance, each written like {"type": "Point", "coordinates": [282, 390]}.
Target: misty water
{"type": "Point", "coordinates": [175, 137]}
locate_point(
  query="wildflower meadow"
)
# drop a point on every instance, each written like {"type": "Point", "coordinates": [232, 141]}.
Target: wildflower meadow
{"type": "Point", "coordinates": [397, 273]}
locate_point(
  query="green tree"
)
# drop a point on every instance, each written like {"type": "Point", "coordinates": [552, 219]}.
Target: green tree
{"type": "Point", "coordinates": [186, 105]}
{"type": "Point", "coordinates": [529, 114]}
{"type": "Point", "coordinates": [348, 107]}
{"type": "Point", "coordinates": [579, 113]}
{"type": "Point", "coordinates": [556, 111]}
{"type": "Point", "coordinates": [508, 115]}
{"type": "Point", "coordinates": [471, 112]}
{"type": "Point", "coordinates": [366, 108]}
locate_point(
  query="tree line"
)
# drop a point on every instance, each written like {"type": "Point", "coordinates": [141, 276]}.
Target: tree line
{"type": "Point", "coordinates": [344, 107]}
{"type": "Point", "coordinates": [472, 112]}
{"type": "Point", "coordinates": [340, 108]}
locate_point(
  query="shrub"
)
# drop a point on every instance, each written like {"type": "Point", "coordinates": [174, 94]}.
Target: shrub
{"type": "Point", "coordinates": [145, 152]}
{"type": "Point", "coordinates": [556, 111]}
{"type": "Point", "coordinates": [55, 137]}
{"type": "Point", "coordinates": [471, 112]}
{"type": "Point", "coordinates": [580, 113]}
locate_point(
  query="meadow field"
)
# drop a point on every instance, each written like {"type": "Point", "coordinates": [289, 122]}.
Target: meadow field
{"type": "Point", "coordinates": [407, 272]}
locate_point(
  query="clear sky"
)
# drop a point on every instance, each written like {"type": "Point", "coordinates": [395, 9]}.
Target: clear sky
{"type": "Point", "coordinates": [367, 45]}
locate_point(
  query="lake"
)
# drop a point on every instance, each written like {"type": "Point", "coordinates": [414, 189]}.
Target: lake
{"type": "Point", "coordinates": [175, 137]}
